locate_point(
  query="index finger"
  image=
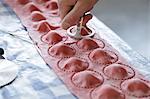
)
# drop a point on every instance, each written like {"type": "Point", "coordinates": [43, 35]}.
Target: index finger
{"type": "Point", "coordinates": [65, 6]}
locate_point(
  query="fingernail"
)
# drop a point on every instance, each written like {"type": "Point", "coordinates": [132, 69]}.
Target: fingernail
{"type": "Point", "coordinates": [65, 25]}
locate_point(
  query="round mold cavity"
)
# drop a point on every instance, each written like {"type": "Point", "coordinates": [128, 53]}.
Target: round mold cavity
{"type": "Point", "coordinates": [37, 16]}
{"type": "Point", "coordinates": [85, 31]}
{"type": "Point", "coordinates": [89, 44]}
{"type": "Point", "coordinates": [42, 1]}
{"type": "Point", "coordinates": [73, 64]}
{"type": "Point", "coordinates": [119, 72]}
{"type": "Point", "coordinates": [87, 79]}
{"type": "Point", "coordinates": [53, 27]}
{"type": "Point", "coordinates": [52, 5]}
{"type": "Point", "coordinates": [31, 7]}
{"type": "Point", "coordinates": [54, 14]}
{"type": "Point", "coordinates": [23, 2]}
{"type": "Point", "coordinates": [103, 57]}
{"type": "Point", "coordinates": [52, 38]}
{"type": "Point", "coordinates": [107, 92]}
{"type": "Point", "coordinates": [43, 26]}
{"type": "Point", "coordinates": [61, 51]}
{"type": "Point", "coordinates": [136, 87]}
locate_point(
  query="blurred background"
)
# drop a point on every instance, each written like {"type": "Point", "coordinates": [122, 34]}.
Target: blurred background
{"type": "Point", "coordinates": [130, 19]}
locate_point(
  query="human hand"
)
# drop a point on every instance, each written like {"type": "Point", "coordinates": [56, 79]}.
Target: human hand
{"type": "Point", "coordinates": [72, 10]}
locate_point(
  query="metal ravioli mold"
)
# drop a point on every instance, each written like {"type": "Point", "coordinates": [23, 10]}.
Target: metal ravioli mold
{"type": "Point", "coordinates": [90, 67]}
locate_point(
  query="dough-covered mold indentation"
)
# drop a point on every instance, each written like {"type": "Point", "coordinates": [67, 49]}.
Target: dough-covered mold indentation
{"type": "Point", "coordinates": [136, 87]}
{"type": "Point", "coordinates": [61, 51]}
{"type": "Point", "coordinates": [31, 7]}
{"type": "Point", "coordinates": [52, 5]}
{"type": "Point", "coordinates": [107, 92]}
{"type": "Point", "coordinates": [52, 38]}
{"type": "Point", "coordinates": [119, 72]}
{"type": "Point", "coordinates": [85, 31]}
{"type": "Point", "coordinates": [89, 44]}
{"type": "Point", "coordinates": [73, 64]}
{"type": "Point", "coordinates": [42, 1]}
{"type": "Point", "coordinates": [37, 16]}
{"type": "Point", "coordinates": [87, 79]}
{"type": "Point", "coordinates": [23, 2]}
{"type": "Point", "coordinates": [43, 26]}
{"type": "Point", "coordinates": [103, 57]}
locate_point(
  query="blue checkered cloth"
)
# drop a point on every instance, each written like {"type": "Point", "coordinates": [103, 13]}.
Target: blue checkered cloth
{"type": "Point", "coordinates": [35, 79]}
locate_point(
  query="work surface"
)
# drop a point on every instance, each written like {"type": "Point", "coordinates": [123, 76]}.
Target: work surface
{"type": "Point", "coordinates": [35, 79]}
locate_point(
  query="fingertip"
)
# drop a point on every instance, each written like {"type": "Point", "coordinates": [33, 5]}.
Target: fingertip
{"type": "Point", "coordinates": [64, 8]}
{"type": "Point", "coordinates": [69, 20]}
{"type": "Point", "coordinates": [65, 25]}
